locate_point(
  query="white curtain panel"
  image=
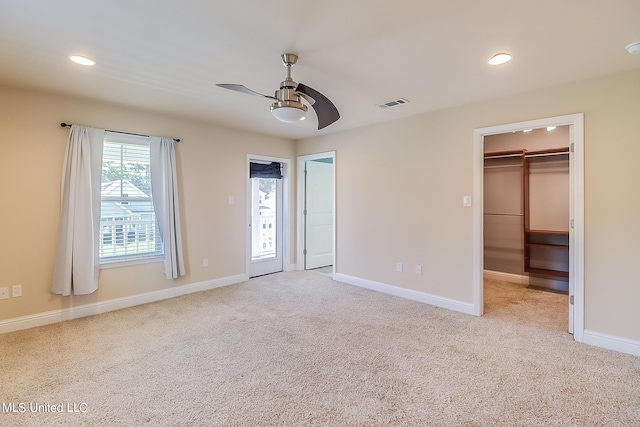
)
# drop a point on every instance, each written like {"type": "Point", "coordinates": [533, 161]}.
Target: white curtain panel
{"type": "Point", "coordinates": [77, 267]}
{"type": "Point", "coordinates": [164, 187]}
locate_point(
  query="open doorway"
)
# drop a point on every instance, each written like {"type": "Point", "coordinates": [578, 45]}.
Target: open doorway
{"type": "Point", "coordinates": [316, 230]}
{"type": "Point", "coordinates": [526, 226]}
{"type": "Point", "coordinates": [537, 258]}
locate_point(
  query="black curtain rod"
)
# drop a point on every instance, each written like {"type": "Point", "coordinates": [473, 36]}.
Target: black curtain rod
{"type": "Point", "coordinates": [64, 125]}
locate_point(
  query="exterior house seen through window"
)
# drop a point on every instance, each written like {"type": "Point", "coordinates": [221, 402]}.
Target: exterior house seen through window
{"type": "Point", "coordinates": [128, 227]}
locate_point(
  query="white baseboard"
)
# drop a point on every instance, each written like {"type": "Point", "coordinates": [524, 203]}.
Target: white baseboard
{"type": "Point", "coordinates": [611, 342]}
{"type": "Point", "coordinates": [463, 307]}
{"type": "Point", "coordinates": [509, 277]}
{"type": "Point", "coordinates": [597, 339]}
{"type": "Point", "coordinates": [290, 267]}
{"type": "Point", "coordinates": [55, 316]}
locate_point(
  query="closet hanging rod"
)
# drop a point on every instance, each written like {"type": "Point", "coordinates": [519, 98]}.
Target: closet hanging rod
{"type": "Point", "coordinates": [502, 156]}
{"type": "Point", "coordinates": [504, 214]}
{"type": "Point", "coordinates": [64, 125]}
{"type": "Point", "coordinates": [519, 165]}
{"type": "Point", "coordinates": [547, 154]}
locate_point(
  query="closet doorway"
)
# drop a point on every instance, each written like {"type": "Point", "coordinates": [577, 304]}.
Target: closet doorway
{"type": "Point", "coordinates": [528, 215]}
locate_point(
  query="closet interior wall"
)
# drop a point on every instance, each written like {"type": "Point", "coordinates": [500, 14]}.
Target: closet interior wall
{"type": "Point", "coordinates": [523, 195]}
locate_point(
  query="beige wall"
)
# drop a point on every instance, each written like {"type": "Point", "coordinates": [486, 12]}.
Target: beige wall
{"type": "Point", "coordinates": [399, 195]}
{"type": "Point", "coordinates": [400, 186]}
{"type": "Point", "coordinates": [211, 167]}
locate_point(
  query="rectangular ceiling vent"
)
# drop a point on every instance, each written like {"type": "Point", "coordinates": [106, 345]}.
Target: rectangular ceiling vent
{"type": "Point", "coordinates": [394, 103]}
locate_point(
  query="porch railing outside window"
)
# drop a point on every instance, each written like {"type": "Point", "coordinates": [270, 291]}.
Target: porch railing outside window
{"type": "Point", "coordinates": [123, 237]}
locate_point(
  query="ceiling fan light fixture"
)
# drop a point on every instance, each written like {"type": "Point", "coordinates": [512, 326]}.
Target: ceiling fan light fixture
{"type": "Point", "coordinates": [82, 60]}
{"type": "Point", "coordinates": [288, 111]}
{"type": "Point", "coordinates": [633, 47]}
{"type": "Point", "coordinates": [500, 58]}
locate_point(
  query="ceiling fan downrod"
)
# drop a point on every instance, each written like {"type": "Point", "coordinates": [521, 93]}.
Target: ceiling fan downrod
{"type": "Point", "coordinates": [287, 100]}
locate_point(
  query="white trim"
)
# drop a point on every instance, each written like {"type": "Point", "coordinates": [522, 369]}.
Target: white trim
{"type": "Point", "coordinates": [576, 235]}
{"type": "Point", "coordinates": [478, 224]}
{"type": "Point", "coordinates": [576, 238]}
{"type": "Point", "coordinates": [286, 208]}
{"type": "Point", "coordinates": [300, 183]}
{"type": "Point", "coordinates": [130, 261]}
{"type": "Point", "coordinates": [290, 267]}
{"type": "Point", "coordinates": [610, 342]}
{"type": "Point", "coordinates": [55, 316]}
{"type": "Point", "coordinates": [508, 277]}
{"type": "Point", "coordinates": [450, 304]}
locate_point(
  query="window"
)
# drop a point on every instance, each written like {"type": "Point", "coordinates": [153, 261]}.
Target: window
{"type": "Point", "coordinates": [128, 227]}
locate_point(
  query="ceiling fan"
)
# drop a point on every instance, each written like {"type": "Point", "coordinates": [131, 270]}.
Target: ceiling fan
{"type": "Point", "coordinates": [288, 106]}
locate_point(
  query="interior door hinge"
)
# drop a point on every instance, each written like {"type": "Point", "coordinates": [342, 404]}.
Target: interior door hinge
{"type": "Point", "coordinates": [571, 300]}
{"type": "Point", "coordinates": [304, 252]}
{"type": "Point", "coordinates": [571, 223]}
{"type": "Point", "coordinates": [304, 212]}
{"type": "Point", "coordinates": [571, 147]}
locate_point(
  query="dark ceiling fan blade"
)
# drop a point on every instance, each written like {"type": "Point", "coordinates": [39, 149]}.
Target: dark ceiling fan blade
{"type": "Point", "coordinates": [325, 110]}
{"type": "Point", "coordinates": [243, 89]}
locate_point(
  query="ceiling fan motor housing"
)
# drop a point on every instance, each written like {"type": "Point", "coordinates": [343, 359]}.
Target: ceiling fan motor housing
{"type": "Point", "coordinates": [288, 101]}
{"type": "Point", "coordinates": [286, 96]}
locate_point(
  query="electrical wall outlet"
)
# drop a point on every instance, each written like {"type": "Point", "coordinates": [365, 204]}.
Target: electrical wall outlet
{"type": "Point", "coordinates": [418, 269]}
{"type": "Point", "coordinates": [4, 293]}
{"type": "Point", "coordinates": [399, 267]}
{"type": "Point", "coordinates": [205, 262]}
{"type": "Point", "coordinates": [17, 290]}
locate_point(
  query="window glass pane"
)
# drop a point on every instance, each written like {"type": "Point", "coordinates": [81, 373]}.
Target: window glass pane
{"type": "Point", "coordinates": [264, 218]}
{"type": "Point", "coordinates": [128, 227]}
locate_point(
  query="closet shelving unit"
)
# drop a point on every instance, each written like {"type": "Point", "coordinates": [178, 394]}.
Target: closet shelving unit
{"type": "Point", "coordinates": [544, 242]}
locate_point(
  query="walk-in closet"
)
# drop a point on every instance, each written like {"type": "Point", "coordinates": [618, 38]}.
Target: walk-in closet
{"type": "Point", "coordinates": [526, 207]}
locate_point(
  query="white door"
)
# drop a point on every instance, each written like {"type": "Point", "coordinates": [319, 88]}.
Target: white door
{"type": "Point", "coordinates": [266, 226]}
{"type": "Point", "coordinates": [318, 213]}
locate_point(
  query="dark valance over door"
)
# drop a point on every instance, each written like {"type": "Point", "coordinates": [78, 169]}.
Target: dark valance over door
{"type": "Point", "coordinates": [271, 170]}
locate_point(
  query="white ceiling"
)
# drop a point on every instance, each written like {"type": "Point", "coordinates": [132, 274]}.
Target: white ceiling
{"type": "Point", "coordinates": [168, 55]}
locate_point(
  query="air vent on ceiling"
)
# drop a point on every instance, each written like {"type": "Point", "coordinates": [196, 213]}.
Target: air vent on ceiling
{"type": "Point", "coordinates": [394, 103]}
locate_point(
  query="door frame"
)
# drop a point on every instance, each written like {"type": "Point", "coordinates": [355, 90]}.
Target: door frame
{"type": "Point", "coordinates": [286, 212]}
{"type": "Point", "coordinates": [301, 200]}
{"type": "Point", "coordinates": [576, 212]}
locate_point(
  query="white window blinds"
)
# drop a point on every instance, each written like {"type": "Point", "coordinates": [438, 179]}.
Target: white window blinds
{"type": "Point", "coordinates": [128, 226]}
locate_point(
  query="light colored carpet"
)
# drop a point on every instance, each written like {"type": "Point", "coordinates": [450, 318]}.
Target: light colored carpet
{"type": "Point", "coordinates": [516, 303]}
{"type": "Point", "coordinates": [328, 270]}
{"type": "Point", "coordinates": [297, 349]}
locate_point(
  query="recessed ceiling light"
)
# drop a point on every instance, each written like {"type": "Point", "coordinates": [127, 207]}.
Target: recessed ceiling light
{"type": "Point", "coordinates": [82, 60]}
{"type": "Point", "coordinates": [527, 130]}
{"type": "Point", "coordinates": [550, 128]}
{"type": "Point", "coordinates": [633, 47]}
{"type": "Point", "coordinates": [500, 58]}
